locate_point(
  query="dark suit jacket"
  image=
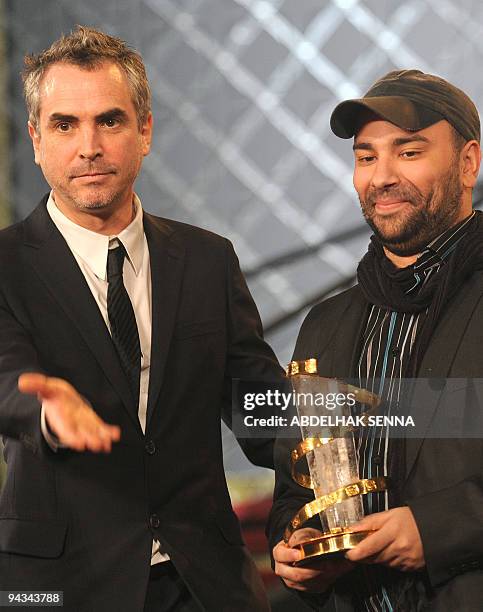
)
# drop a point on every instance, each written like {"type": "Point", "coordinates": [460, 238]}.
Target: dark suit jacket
{"type": "Point", "coordinates": [84, 522]}
{"type": "Point", "coordinates": [444, 478]}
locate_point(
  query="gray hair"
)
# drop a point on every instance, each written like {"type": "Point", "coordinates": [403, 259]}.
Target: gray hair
{"type": "Point", "coordinates": [87, 48]}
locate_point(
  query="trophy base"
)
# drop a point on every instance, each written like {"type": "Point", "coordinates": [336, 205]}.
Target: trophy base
{"type": "Point", "coordinates": [328, 545]}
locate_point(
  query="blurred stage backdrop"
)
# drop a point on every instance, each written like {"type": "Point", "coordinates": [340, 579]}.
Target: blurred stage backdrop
{"type": "Point", "coordinates": [242, 94]}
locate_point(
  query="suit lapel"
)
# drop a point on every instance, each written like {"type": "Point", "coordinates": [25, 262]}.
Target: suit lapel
{"type": "Point", "coordinates": [167, 262]}
{"type": "Point", "coordinates": [347, 339]}
{"type": "Point", "coordinates": [55, 264]}
{"type": "Point", "coordinates": [438, 360]}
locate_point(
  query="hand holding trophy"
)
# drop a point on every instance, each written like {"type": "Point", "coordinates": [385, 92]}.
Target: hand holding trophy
{"type": "Point", "coordinates": [330, 449]}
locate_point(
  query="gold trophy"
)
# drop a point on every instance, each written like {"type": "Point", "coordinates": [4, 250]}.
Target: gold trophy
{"type": "Point", "coordinates": [328, 444]}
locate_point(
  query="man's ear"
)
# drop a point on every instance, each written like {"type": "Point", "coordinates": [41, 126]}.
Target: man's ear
{"type": "Point", "coordinates": [35, 136]}
{"type": "Point", "coordinates": [470, 157]}
{"type": "Point", "coordinates": [147, 133]}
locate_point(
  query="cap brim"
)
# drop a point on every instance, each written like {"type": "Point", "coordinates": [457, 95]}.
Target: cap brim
{"type": "Point", "coordinates": [398, 110]}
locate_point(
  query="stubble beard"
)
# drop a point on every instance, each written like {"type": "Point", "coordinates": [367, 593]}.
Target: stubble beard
{"type": "Point", "coordinates": [101, 199]}
{"type": "Point", "coordinates": [104, 197]}
{"type": "Point", "coordinates": [408, 232]}
{"type": "Point", "coordinates": [97, 202]}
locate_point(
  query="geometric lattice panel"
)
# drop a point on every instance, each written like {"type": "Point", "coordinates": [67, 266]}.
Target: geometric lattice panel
{"type": "Point", "coordinates": [242, 93]}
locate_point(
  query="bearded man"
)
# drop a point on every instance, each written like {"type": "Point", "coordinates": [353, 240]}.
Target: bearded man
{"type": "Point", "coordinates": [415, 312]}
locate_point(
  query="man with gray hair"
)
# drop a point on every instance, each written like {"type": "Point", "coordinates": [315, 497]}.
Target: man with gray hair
{"type": "Point", "coordinates": [120, 334]}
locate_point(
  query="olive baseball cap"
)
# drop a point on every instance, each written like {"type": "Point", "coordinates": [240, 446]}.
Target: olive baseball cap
{"type": "Point", "coordinates": [412, 100]}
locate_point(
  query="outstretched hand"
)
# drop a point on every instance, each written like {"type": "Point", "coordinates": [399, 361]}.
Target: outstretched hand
{"type": "Point", "coordinates": [68, 415]}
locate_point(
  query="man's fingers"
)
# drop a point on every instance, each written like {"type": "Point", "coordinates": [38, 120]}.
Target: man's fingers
{"type": "Point", "coordinates": [371, 522]}
{"type": "Point", "coordinates": [304, 534]}
{"type": "Point", "coordinates": [82, 438]}
{"type": "Point", "coordinates": [295, 574]}
{"type": "Point", "coordinates": [285, 554]}
{"type": "Point", "coordinates": [114, 432]}
{"type": "Point", "coordinates": [96, 436]}
{"type": "Point", "coordinates": [95, 444]}
{"type": "Point", "coordinates": [284, 557]}
{"type": "Point", "coordinates": [47, 387]}
{"type": "Point", "coordinates": [80, 428]}
{"type": "Point", "coordinates": [72, 420]}
{"type": "Point", "coordinates": [374, 542]}
{"type": "Point", "coordinates": [69, 437]}
{"type": "Point", "coordinates": [370, 546]}
{"type": "Point", "coordinates": [102, 433]}
{"type": "Point", "coordinates": [32, 383]}
{"type": "Point", "coordinates": [316, 578]}
{"type": "Point", "coordinates": [100, 438]}
{"type": "Point", "coordinates": [295, 585]}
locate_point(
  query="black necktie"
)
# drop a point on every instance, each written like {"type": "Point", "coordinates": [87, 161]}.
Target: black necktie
{"type": "Point", "coordinates": [124, 330]}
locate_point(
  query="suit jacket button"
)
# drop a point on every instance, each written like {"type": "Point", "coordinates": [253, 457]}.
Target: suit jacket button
{"type": "Point", "coordinates": [150, 447]}
{"type": "Point", "coordinates": [154, 521]}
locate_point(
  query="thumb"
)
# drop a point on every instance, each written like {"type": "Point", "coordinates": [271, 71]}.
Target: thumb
{"type": "Point", "coordinates": [302, 535]}
{"type": "Point", "coordinates": [33, 384]}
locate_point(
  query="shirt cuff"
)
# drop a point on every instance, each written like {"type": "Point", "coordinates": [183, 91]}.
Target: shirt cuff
{"type": "Point", "coordinates": [49, 436]}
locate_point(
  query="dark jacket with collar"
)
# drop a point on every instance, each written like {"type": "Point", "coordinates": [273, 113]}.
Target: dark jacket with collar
{"type": "Point", "coordinates": [84, 523]}
{"type": "Point", "coordinates": [444, 477]}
